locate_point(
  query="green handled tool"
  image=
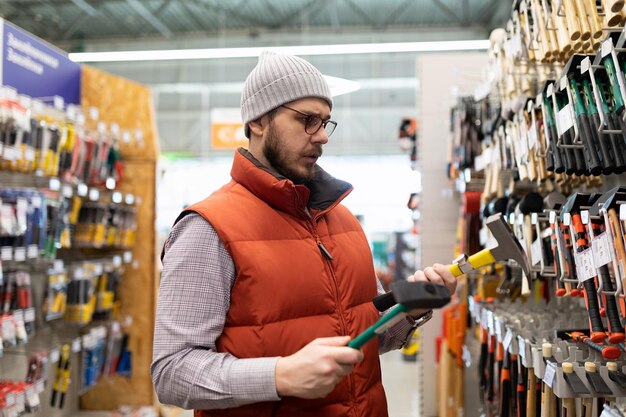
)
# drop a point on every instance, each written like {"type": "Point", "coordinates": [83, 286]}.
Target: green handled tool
{"type": "Point", "coordinates": [409, 296]}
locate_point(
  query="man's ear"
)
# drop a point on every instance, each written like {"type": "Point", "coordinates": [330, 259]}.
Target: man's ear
{"type": "Point", "coordinates": [256, 127]}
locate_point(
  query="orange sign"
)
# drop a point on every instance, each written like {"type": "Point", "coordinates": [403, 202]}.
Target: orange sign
{"type": "Point", "coordinates": [228, 136]}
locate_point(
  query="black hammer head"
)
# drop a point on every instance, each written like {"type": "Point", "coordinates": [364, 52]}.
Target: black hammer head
{"type": "Point", "coordinates": [508, 246]}
{"type": "Point", "coordinates": [420, 294]}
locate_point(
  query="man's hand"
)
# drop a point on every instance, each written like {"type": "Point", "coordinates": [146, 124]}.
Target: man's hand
{"type": "Point", "coordinates": [437, 274]}
{"type": "Point", "coordinates": [314, 370]}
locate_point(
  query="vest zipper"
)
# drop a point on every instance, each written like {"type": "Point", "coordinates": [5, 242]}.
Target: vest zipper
{"type": "Point", "coordinates": [324, 251]}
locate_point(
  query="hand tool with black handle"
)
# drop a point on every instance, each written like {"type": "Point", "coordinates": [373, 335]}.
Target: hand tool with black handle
{"type": "Point", "coordinates": [572, 379]}
{"type": "Point", "coordinates": [408, 296]}
{"type": "Point", "coordinates": [505, 386]}
{"type": "Point", "coordinates": [586, 136]}
{"type": "Point", "coordinates": [618, 109]}
{"type": "Point", "coordinates": [61, 378]}
{"type": "Point", "coordinates": [608, 352]}
{"type": "Point", "coordinates": [521, 388]}
{"type": "Point", "coordinates": [569, 404]}
{"type": "Point", "coordinates": [507, 248]}
{"type": "Point", "coordinates": [602, 140]}
{"type": "Point", "coordinates": [612, 125]}
{"type": "Point", "coordinates": [572, 208]}
{"type": "Point", "coordinates": [551, 137]}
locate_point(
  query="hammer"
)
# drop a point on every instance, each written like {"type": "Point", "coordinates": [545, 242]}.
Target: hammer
{"type": "Point", "coordinates": [507, 247]}
{"type": "Point", "coordinates": [408, 296]}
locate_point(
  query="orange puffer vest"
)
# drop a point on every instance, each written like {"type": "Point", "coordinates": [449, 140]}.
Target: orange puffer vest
{"type": "Point", "coordinates": [287, 292]}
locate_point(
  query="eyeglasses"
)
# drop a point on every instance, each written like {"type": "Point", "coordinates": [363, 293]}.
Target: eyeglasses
{"type": "Point", "coordinates": [313, 123]}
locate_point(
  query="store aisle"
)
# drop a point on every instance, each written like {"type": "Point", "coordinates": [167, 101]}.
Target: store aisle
{"type": "Point", "coordinates": [400, 380]}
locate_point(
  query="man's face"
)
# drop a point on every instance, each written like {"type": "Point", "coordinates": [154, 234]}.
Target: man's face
{"type": "Point", "coordinates": [288, 148]}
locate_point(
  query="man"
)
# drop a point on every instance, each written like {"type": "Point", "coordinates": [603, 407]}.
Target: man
{"type": "Point", "coordinates": [266, 281]}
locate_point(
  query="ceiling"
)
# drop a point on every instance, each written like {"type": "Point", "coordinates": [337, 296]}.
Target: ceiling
{"type": "Point", "coordinates": [185, 92]}
{"type": "Point", "coordinates": [74, 22]}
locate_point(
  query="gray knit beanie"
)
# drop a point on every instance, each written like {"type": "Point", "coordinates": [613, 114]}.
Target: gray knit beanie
{"type": "Point", "coordinates": [278, 79]}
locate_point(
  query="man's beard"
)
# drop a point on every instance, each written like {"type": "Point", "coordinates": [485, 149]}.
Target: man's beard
{"type": "Point", "coordinates": [277, 158]}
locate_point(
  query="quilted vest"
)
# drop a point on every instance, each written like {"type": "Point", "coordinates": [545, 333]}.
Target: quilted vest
{"type": "Point", "coordinates": [303, 271]}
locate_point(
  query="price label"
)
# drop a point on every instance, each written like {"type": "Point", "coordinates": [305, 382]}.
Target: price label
{"type": "Point", "coordinates": [483, 235]}
{"type": "Point", "coordinates": [522, 347]}
{"type": "Point", "coordinates": [467, 357]}
{"type": "Point", "coordinates": [19, 254]}
{"type": "Point", "coordinates": [536, 251]}
{"type": "Point", "coordinates": [490, 322]}
{"type": "Point", "coordinates": [55, 355]}
{"type": "Point", "coordinates": [29, 315]}
{"type": "Point", "coordinates": [584, 217]}
{"type": "Point", "coordinates": [484, 319]}
{"type": "Point", "coordinates": [40, 386]}
{"type": "Point", "coordinates": [498, 328]}
{"type": "Point", "coordinates": [117, 261]}
{"type": "Point", "coordinates": [6, 253]}
{"type": "Point", "coordinates": [622, 212]}
{"type": "Point", "coordinates": [565, 120]}
{"type": "Point", "coordinates": [550, 374]}
{"type": "Point", "coordinates": [82, 190]}
{"type": "Point", "coordinates": [508, 338]}
{"type": "Point", "coordinates": [607, 45]}
{"type": "Point", "coordinates": [10, 399]}
{"type": "Point", "coordinates": [128, 256]}
{"type": "Point", "coordinates": [601, 247]}
{"type": "Point", "coordinates": [126, 137]}
{"type": "Point", "coordinates": [29, 154]}
{"type": "Point", "coordinates": [532, 136]}
{"type": "Point", "coordinates": [585, 268]}
{"type": "Point", "coordinates": [55, 184]}
{"type": "Point", "coordinates": [33, 251]}
{"type": "Point", "coordinates": [59, 103]}
{"type": "Point", "coordinates": [68, 191]}
{"type": "Point", "coordinates": [76, 345]}
{"type": "Point", "coordinates": [94, 113]}
{"type": "Point", "coordinates": [584, 65]}
{"type": "Point", "coordinates": [94, 194]}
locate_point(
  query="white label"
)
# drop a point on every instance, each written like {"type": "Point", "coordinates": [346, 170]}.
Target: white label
{"type": "Point", "coordinates": [55, 184]}
{"type": "Point", "coordinates": [94, 113]}
{"type": "Point", "coordinates": [498, 328]}
{"type": "Point", "coordinates": [29, 155]}
{"type": "Point", "coordinates": [116, 197]}
{"type": "Point", "coordinates": [565, 119]}
{"type": "Point", "coordinates": [601, 247]}
{"type": "Point", "coordinates": [483, 235]}
{"type": "Point", "coordinates": [29, 315]}
{"type": "Point", "coordinates": [520, 219]}
{"type": "Point", "coordinates": [76, 345]}
{"type": "Point", "coordinates": [10, 399]}
{"type": "Point", "coordinates": [550, 374]}
{"type": "Point", "coordinates": [128, 256]}
{"type": "Point", "coordinates": [584, 217]}
{"type": "Point", "coordinates": [40, 386]}
{"type": "Point", "coordinates": [533, 218]}
{"type": "Point", "coordinates": [55, 355]}
{"type": "Point", "coordinates": [522, 347]}
{"type": "Point", "coordinates": [19, 254]}
{"type": "Point", "coordinates": [82, 190]}
{"type": "Point", "coordinates": [567, 219]}
{"type": "Point", "coordinates": [552, 217]}
{"type": "Point", "coordinates": [59, 103]}
{"type": "Point", "coordinates": [33, 251]}
{"type": "Point", "coordinates": [484, 319]}
{"type": "Point", "coordinates": [490, 322]}
{"type": "Point", "coordinates": [532, 136]}
{"type": "Point", "coordinates": [110, 183]}
{"type": "Point", "coordinates": [512, 218]}
{"type": "Point", "coordinates": [6, 253]}
{"type": "Point", "coordinates": [117, 261]}
{"type": "Point", "coordinates": [126, 137]}
{"type": "Point", "coordinates": [508, 338]}
{"type": "Point", "coordinates": [622, 212]}
{"type": "Point", "coordinates": [584, 65]}
{"type": "Point", "coordinates": [102, 127]}
{"type": "Point", "coordinates": [536, 251]}
{"type": "Point", "coordinates": [68, 191]}
{"type": "Point", "coordinates": [94, 194]}
{"type": "Point", "coordinates": [584, 265]}
{"type": "Point", "coordinates": [607, 45]}
{"type": "Point", "coordinates": [130, 199]}
{"type": "Point", "coordinates": [115, 129]}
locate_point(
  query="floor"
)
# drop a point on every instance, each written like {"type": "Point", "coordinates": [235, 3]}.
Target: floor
{"type": "Point", "coordinates": [400, 381]}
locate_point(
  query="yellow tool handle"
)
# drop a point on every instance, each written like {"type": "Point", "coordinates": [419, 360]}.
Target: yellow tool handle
{"type": "Point", "coordinates": [482, 258]}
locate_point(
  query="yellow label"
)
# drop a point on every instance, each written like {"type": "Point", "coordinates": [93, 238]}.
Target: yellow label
{"type": "Point", "coordinates": [98, 239]}
{"type": "Point", "coordinates": [111, 234]}
{"type": "Point", "coordinates": [77, 203]}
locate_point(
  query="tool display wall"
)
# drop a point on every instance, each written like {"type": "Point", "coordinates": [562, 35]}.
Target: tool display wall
{"type": "Point", "coordinates": [544, 139]}
{"type": "Point", "coordinates": [66, 238]}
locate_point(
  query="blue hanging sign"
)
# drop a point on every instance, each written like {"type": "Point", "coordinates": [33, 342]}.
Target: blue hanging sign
{"type": "Point", "coordinates": [37, 69]}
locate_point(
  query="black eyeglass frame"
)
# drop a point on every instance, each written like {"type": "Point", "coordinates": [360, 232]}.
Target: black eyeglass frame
{"type": "Point", "coordinates": [312, 120]}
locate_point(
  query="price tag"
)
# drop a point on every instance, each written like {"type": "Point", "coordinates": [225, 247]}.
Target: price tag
{"type": "Point", "coordinates": [536, 251]}
{"type": "Point", "coordinates": [33, 251]}
{"type": "Point", "coordinates": [94, 194]}
{"type": "Point", "coordinates": [102, 127]}
{"type": "Point", "coordinates": [29, 315]}
{"type": "Point", "coordinates": [483, 235]}
{"type": "Point", "coordinates": [55, 184]}
{"type": "Point", "coordinates": [467, 357]}
{"type": "Point", "coordinates": [55, 355]}
{"type": "Point", "coordinates": [508, 338]}
{"type": "Point", "coordinates": [115, 129]}
{"type": "Point", "coordinates": [94, 113]}
{"type": "Point", "coordinates": [19, 255]}
{"type": "Point", "coordinates": [512, 218]}
{"type": "Point", "coordinates": [622, 212]}
{"type": "Point", "coordinates": [128, 256]}
{"type": "Point", "coordinates": [40, 386]}
{"type": "Point", "coordinates": [117, 261]}
{"type": "Point", "coordinates": [567, 219]}
{"type": "Point", "coordinates": [82, 190]}
{"type": "Point", "coordinates": [522, 347]}
{"type": "Point", "coordinates": [584, 265]}
{"type": "Point", "coordinates": [126, 137]}
{"type": "Point", "coordinates": [490, 322]}
{"type": "Point", "coordinates": [552, 217]}
{"type": "Point", "coordinates": [533, 218]}
{"type": "Point", "coordinates": [498, 328]}
{"type": "Point", "coordinates": [59, 103]}
{"type": "Point", "coordinates": [130, 199]}
{"type": "Point", "coordinates": [550, 374]}
{"type": "Point", "coordinates": [116, 197]}
{"type": "Point", "coordinates": [68, 191]}
{"type": "Point", "coordinates": [29, 154]}
{"type": "Point", "coordinates": [484, 319]}
{"type": "Point", "coordinates": [6, 253]}
{"type": "Point", "coordinates": [607, 45]}
{"type": "Point", "coordinates": [71, 112]}
{"type": "Point", "coordinates": [76, 345]}
{"type": "Point", "coordinates": [584, 217]}
{"type": "Point", "coordinates": [520, 219]}
{"type": "Point", "coordinates": [565, 119]}
{"type": "Point", "coordinates": [532, 136]}
{"type": "Point", "coordinates": [110, 183]}
{"type": "Point", "coordinates": [601, 247]}
{"type": "Point", "coordinates": [584, 65]}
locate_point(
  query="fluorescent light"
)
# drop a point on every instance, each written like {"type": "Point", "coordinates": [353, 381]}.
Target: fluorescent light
{"type": "Point", "coordinates": [346, 49]}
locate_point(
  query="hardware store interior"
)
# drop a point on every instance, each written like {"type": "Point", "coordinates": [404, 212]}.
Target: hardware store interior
{"type": "Point", "coordinates": [403, 208]}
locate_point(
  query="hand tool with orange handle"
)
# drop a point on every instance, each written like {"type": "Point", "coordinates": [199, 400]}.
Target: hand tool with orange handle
{"type": "Point", "coordinates": [507, 248]}
{"type": "Point", "coordinates": [572, 209]}
{"type": "Point", "coordinates": [608, 352]}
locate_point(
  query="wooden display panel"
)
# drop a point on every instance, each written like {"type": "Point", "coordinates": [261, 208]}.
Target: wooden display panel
{"type": "Point", "coordinates": [130, 106]}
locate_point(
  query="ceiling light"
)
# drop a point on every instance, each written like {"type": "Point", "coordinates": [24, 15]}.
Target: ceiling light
{"type": "Point", "coordinates": [215, 53]}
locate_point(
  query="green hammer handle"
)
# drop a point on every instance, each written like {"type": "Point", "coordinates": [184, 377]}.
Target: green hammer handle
{"type": "Point", "coordinates": [381, 325]}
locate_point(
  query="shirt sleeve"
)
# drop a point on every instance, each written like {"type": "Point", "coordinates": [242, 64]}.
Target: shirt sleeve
{"type": "Point", "coordinates": [194, 297]}
{"type": "Point", "coordinates": [397, 335]}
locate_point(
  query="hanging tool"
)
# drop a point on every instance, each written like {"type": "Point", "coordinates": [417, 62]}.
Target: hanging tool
{"type": "Point", "coordinates": [62, 377]}
{"type": "Point", "coordinates": [596, 381]}
{"type": "Point", "coordinates": [569, 404]}
{"type": "Point", "coordinates": [408, 296]}
{"type": "Point", "coordinates": [548, 400]}
{"type": "Point", "coordinates": [616, 375]}
{"type": "Point", "coordinates": [608, 352]}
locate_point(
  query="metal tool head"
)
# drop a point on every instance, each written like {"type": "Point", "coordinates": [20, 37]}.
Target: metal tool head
{"type": "Point", "coordinates": [420, 294]}
{"type": "Point", "coordinates": [554, 201]}
{"type": "Point", "coordinates": [574, 203]}
{"type": "Point", "coordinates": [508, 246]}
{"type": "Point", "coordinates": [608, 200]}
